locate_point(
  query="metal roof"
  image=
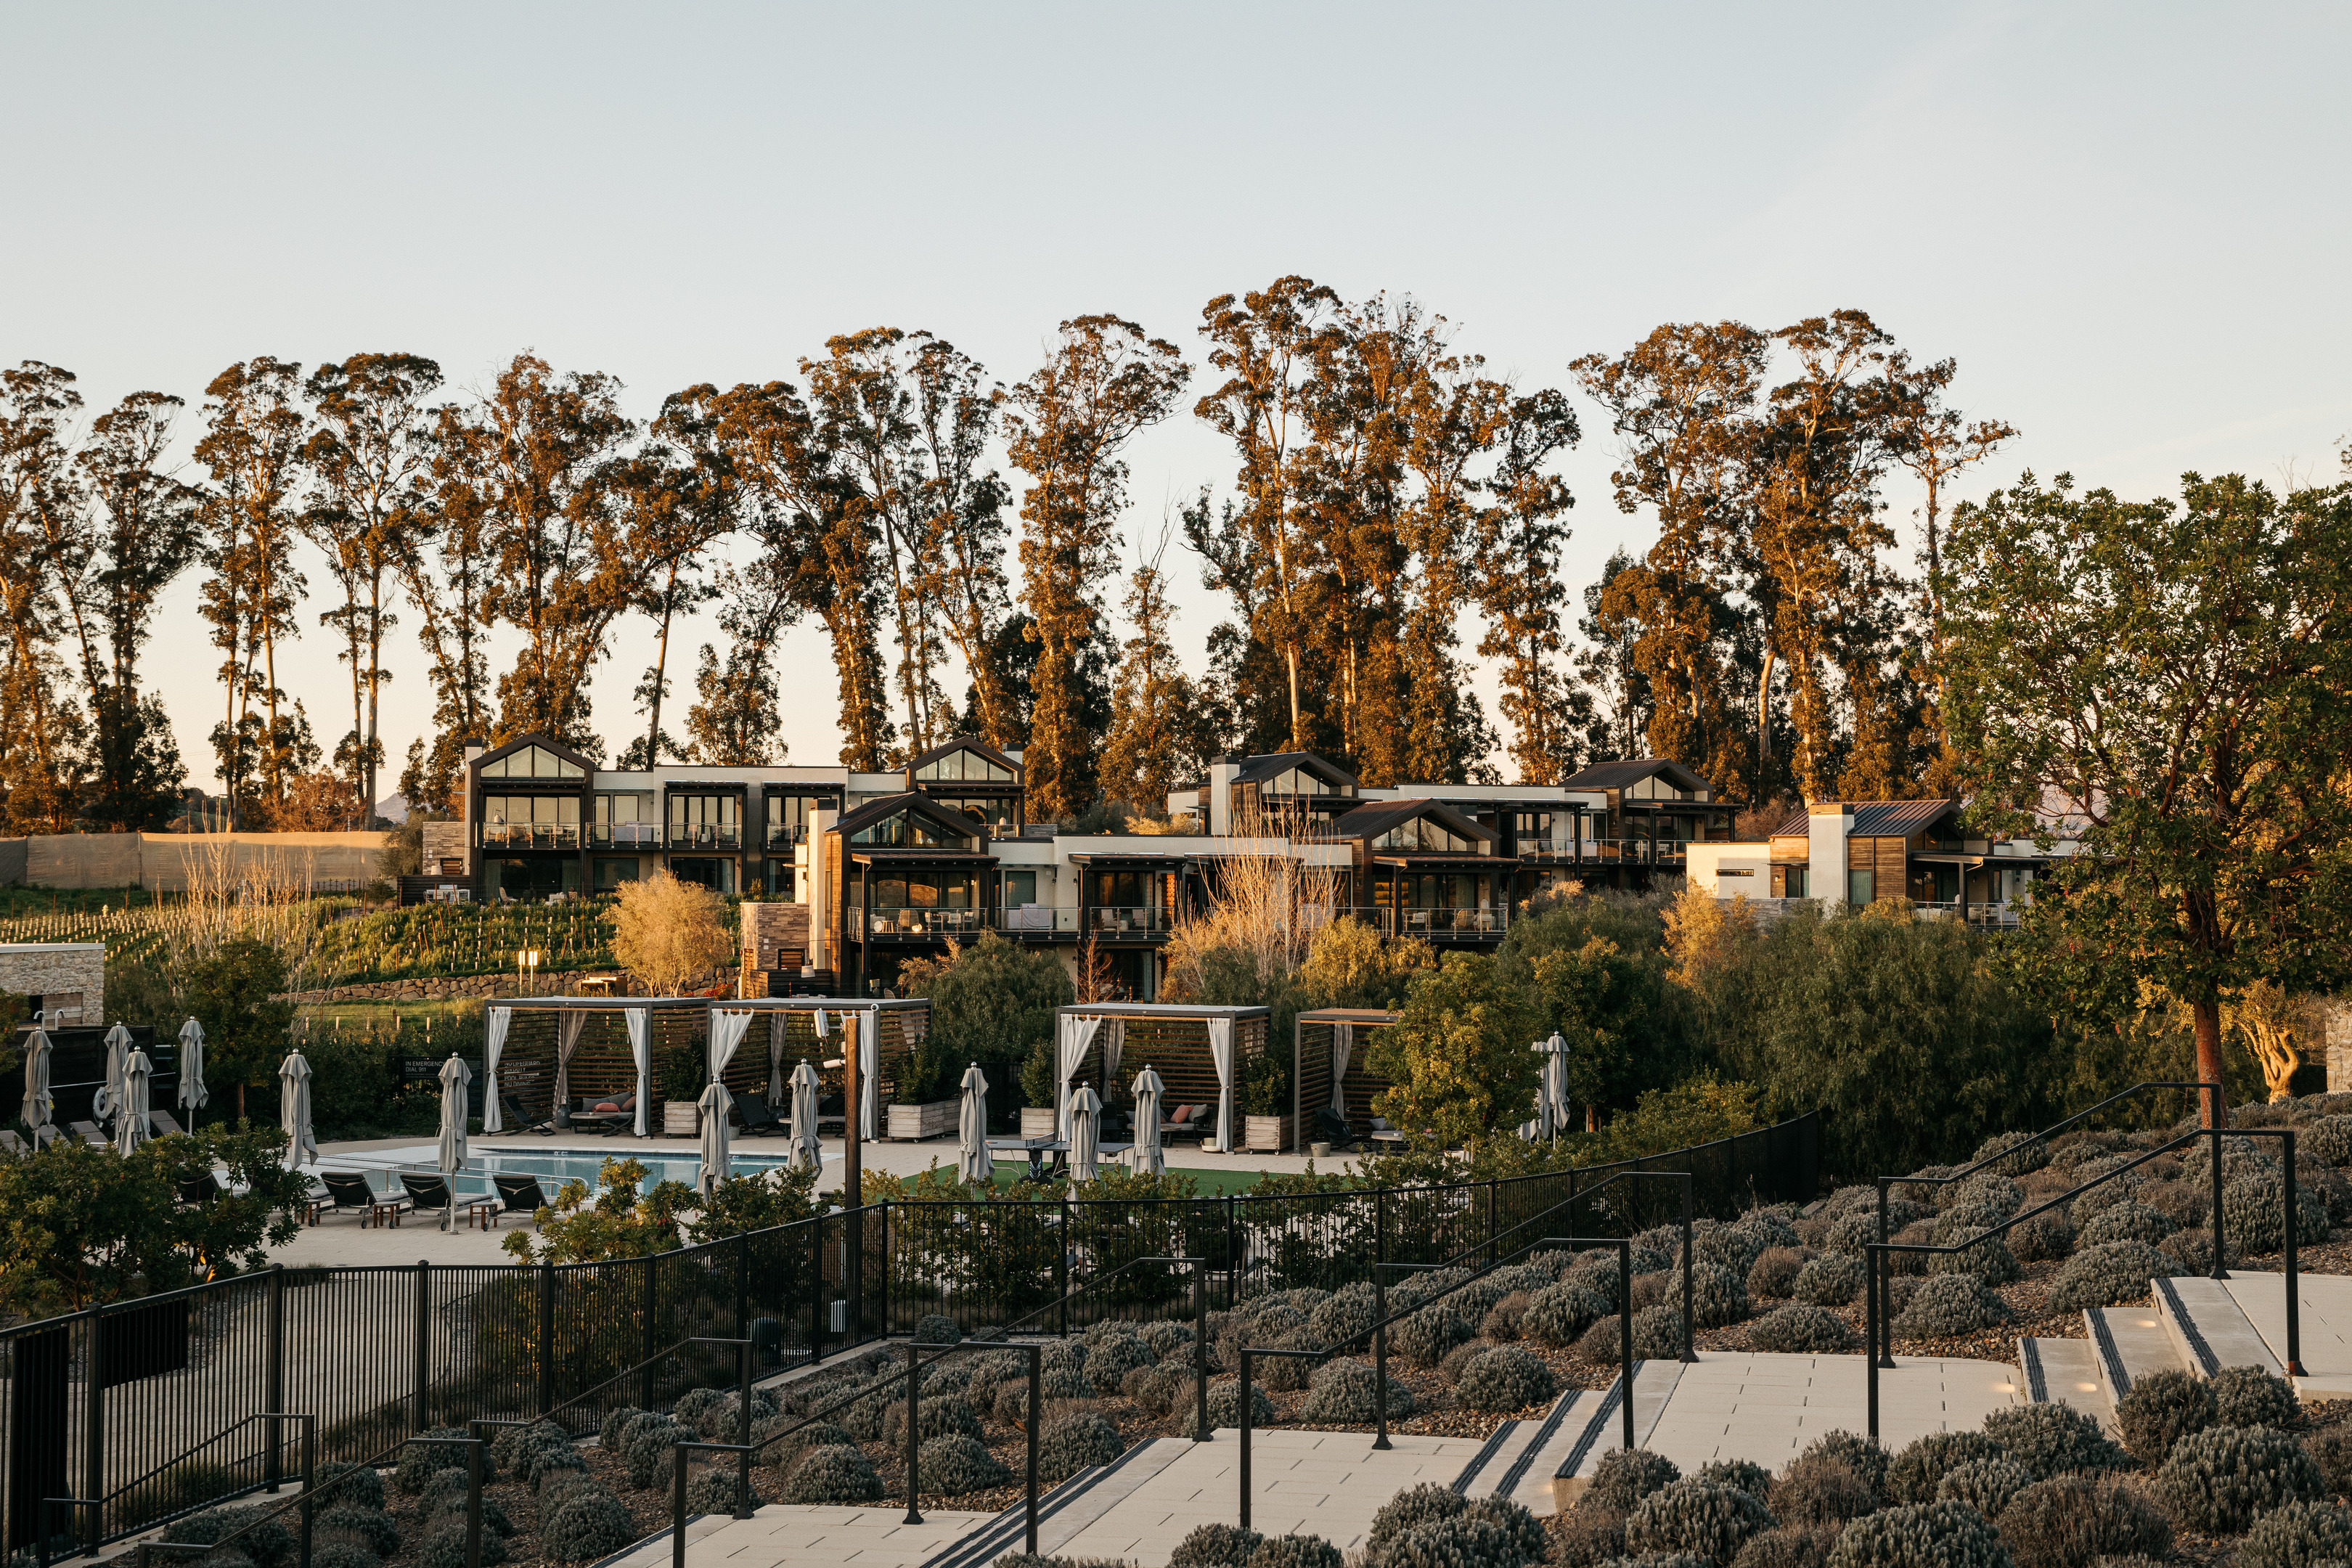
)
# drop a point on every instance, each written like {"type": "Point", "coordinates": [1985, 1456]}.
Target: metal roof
{"type": "Point", "coordinates": [1618, 775]}
{"type": "Point", "coordinates": [1378, 817]}
{"type": "Point", "coordinates": [1254, 769]}
{"type": "Point", "coordinates": [1880, 818]}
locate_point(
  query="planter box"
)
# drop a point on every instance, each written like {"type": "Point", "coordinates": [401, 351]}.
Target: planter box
{"type": "Point", "coordinates": [931, 1120]}
{"type": "Point", "coordinates": [1037, 1121]}
{"type": "Point", "coordinates": [1266, 1134]}
{"type": "Point", "coordinates": [679, 1119]}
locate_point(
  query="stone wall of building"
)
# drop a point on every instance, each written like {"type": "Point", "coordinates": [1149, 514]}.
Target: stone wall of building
{"type": "Point", "coordinates": [2334, 1017]}
{"type": "Point", "coordinates": [70, 975]}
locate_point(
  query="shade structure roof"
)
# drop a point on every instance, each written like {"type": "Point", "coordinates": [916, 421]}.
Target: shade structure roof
{"type": "Point", "coordinates": [597, 1003]}
{"type": "Point", "coordinates": [1158, 1010]}
{"type": "Point", "coordinates": [1348, 1016]}
{"type": "Point", "coordinates": [1881, 818]}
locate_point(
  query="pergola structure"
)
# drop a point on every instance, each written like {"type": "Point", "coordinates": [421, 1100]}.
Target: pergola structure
{"type": "Point", "coordinates": [556, 1049]}
{"type": "Point", "coordinates": [1198, 1052]}
{"type": "Point", "coordinates": [1327, 1066]}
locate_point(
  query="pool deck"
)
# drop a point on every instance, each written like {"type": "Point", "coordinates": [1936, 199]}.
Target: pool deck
{"type": "Point", "coordinates": [342, 1240]}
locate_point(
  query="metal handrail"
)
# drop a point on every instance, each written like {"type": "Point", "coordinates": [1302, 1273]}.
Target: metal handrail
{"type": "Point", "coordinates": [1880, 1351]}
{"type": "Point", "coordinates": [305, 1502]}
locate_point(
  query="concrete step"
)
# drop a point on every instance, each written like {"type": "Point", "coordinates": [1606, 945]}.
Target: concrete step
{"type": "Point", "coordinates": [1603, 1427]}
{"type": "Point", "coordinates": [2066, 1372]}
{"type": "Point", "coordinates": [2208, 1329]}
{"type": "Point", "coordinates": [1062, 1513]}
{"type": "Point", "coordinates": [2325, 1330]}
{"type": "Point", "coordinates": [1525, 1473]}
{"type": "Point", "coordinates": [2130, 1343]}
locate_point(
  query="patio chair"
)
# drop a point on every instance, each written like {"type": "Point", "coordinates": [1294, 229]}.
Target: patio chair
{"type": "Point", "coordinates": [163, 1123]}
{"type": "Point", "coordinates": [1190, 1121]}
{"type": "Point", "coordinates": [347, 1193]}
{"type": "Point", "coordinates": [760, 1119]}
{"type": "Point", "coordinates": [87, 1132]}
{"type": "Point", "coordinates": [522, 1120]}
{"type": "Point", "coordinates": [199, 1190]}
{"type": "Point", "coordinates": [427, 1190]}
{"type": "Point", "coordinates": [520, 1195]}
{"type": "Point", "coordinates": [612, 1112]}
{"type": "Point", "coordinates": [13, 1145]}
{"type": "Point", "coordinates": [45, 1134]}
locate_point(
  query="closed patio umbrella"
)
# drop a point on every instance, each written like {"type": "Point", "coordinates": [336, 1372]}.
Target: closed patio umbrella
{"type": "Point", "coordinates": [450, 1152]}
{"type": "Point", "coordinates": [108, 1101]}
{"type": "Point", "coordinates": [193, 1093]}
{"type": "Point", "coordinates": [1145, 1158]}
{"type": "Point", "coordinates": [130, 1126]}
{"type": "Point", "coordinates": [973, 1163]}
{"type": "Point", "coordinates": [1086, 1107]}
{"type": "Point", "coordinates": [806, 1154]}
{"type": "Point", "coordinates": [713, 1106]}
{"type": "Point", "coordinates": [294, 1109]}
{"type": "Point", "coordinates": [39, 1104]}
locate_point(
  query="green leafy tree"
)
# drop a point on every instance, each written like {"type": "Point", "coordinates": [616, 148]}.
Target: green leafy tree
{"type": "Point", "coordinates": [1601, 1000]}
{"type": "Point", "coordinates": [617, 1221]}
{"type": "Point", "coordinates": [232, 993]}
{"type": "Point", "coordinates": [1900, 1031]}
{"type": "Point", "coordinates": [2171, 681]}
{"type": "Point", "coordinates": [1456, 1058]}
{"type": "Point", "coordinates": [1154, 736]}
{"type": "Point", "coordinates": [992, 1002]}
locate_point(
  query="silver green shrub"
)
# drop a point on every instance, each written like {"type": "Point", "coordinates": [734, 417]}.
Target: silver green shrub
{"type": "Point", "coordinates": [1798, 1329]}
{"type": "Point", "coordinates": [1625, 1477]}
{"type": "Point", "coordinates": [1912, 1473]}
{"type": "Point", "coordinates": [1868, 1458]}
{"type": "Point", "coordinates": [1988, 1258]}
{"type": "Point", "coordinates": [1074, 1442]}
{"type": "Point", "coordinates": [1506, 1379]}
{"type": "Point", "coordinates": [1920, 1535]}
{"type": "Point", "coordinates": [2254, 1396]}
{"type": "Point", "coordinates": [934, 1418]}
{"type": "Point", "coordinates": [2053, 1439]}
{"type": "Point", "coordinates": [1985, 1485]}
{"type": "Point", "coordinates": [2218, 1479]}
{"type": "Point", "coordinates": [2327, 1139]}
{"type": "Point", "coordinates": [2297, 1535]}
{"type": "Point", "coordinates": [1107, 1364]}
{"type": "Point", "coordinates": [1426, 1336]}
{"type": "Point", "coordinates": [2075, 1520]}
{"type": "Point", "coordinates": [717, 1489]}
{"type": "Point", "coordinates": [1947, 1305]}
{"type": "Point", "coordinates": [2130, 1220]}
{"type": "Point", "coordinates": [2108, 1276]}
{"type": "Point", "coordinates": [1295, 1552]}
{"type": "Point", "coordinates": [1718, 1296]}
{"type": "Point", "coordinates": [2254, 1209]}
{"type": "Point", "coordinates": [1346, 1393]}
{"type": "Point", "coordinates": [1820, 1489]}
{"type": "Point", "coordinates": [834, 1475]}
{"type": "Point", "coordinates": [1709, 1520]}
{"type": "Point", "coordinates": [1833, 1280]}
{"type": "Point", "coordinates": [955, 1463]}
{"type": "Point", "coordinates": [1746, 1474]}
{"type": "Point", "coordinates": [2042, 1238]}
{"type": "Point", "coordinates": [1773, 1276]}
{"type": "Point", "coordinates": [1215, 1546]}
{"type": "Point", "coordinates": [2160, 1409]}
{"type": "Point", "coordinates": [2019, 1151]}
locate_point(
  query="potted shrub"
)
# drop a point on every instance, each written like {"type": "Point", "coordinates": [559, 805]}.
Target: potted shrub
{"type": "Point", "coordinates": [678, 1078]}
{"type": "Point", "coordinates": [1267, 1126]}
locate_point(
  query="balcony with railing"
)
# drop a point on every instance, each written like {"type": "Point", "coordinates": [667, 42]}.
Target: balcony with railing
{"type": "Point", "coordinates": [626, 835]}
{"type": "Point", "coordinates": [530, 835]}
{"type": "Point", "coordinates": [1431, 925]}
{"type": "Point", "coordinates": [1116, 923]}
{"type": "Point", "coordinates": [918, 924]}
{"type": "Point", "coordinates": [1036, 921]}
{"type": "Point", "coordinates": [787, 834]}
{"type": "Point", "coordinates": [705, 836]}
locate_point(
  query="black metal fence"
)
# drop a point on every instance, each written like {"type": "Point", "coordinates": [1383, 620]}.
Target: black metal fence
{"type": "Point", "coordinates": [122, 1416]}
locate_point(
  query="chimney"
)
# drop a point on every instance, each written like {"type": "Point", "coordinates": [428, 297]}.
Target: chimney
{"type": "Point", "coordinates": [1828, 825]}
{"type": "Point", "coordinates": [1222, 771]}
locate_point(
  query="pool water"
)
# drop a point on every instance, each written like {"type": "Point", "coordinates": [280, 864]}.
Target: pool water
{"type": "Point", "coordinates": [554, 1166]}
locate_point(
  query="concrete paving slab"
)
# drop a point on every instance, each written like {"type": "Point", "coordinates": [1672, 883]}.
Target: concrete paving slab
{"type": "Point", "coordinates": [2066, 1372]}
{"type": "Point", "coordinates": [781, 1534]}
{"type": "Point", "coordinates": [2209, 1329]}
{"type": "Point", "coordinates": [2128, 1343]}
{"type": "Point", "coordinates": [2326, 1329]}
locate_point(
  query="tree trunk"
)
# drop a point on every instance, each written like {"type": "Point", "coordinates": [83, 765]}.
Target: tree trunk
{"type": "Point", "coordinates": [2208, 1014]}
{"type": "Point", "coordinates": [661, 668]}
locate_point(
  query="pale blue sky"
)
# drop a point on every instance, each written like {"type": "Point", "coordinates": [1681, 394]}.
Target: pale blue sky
{"type": "Point", "coordinates": [2127, 222]}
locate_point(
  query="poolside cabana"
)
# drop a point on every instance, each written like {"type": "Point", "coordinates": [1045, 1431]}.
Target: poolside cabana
{"type": "Point", "coordinates": [1199, 1052]}
{"type": "Point", "coordinates": [1330, 1043]}
{"type": "Point", "coordinates": [777, 1032]}
{"type": "Point", "coordinates": [546, 1051]}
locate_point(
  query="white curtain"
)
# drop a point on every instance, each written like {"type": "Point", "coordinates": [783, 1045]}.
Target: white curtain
{"type": "Point", "coordinates": [641, 1047]}
{"type": "Point", "coordinates": [1221, 1052]}
{"type": "Point", "coordinates": [494, 1040]}
{"type": "Point", "coordinates": [1078, 1034]}
{"type": "Point", "coordinates": [728, 1027]}
{"type": "Point", "coordinates": [775, 1061]}
{"type": "Point", "coordinates": [1114, 1047]}
{"type": "Point", "coordinates": [569, 1023]}
{"type": "Point", "coordinates": [863, 1025]}
{"type": "Point", "coordinates": [1343, 1046]}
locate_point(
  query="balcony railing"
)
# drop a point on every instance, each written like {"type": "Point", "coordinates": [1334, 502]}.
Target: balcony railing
{"type": "Point", "coordinates": [703, 836]}
{"type": "Point", "coordinates": [530, 835]}
{"type": "Point", "coordinates": [635, 835]}
{"type": "Point", "coordinates": [786, 835]}
{"type": "Point", "coordinates": [919, 923]}
{"type": "Point", "coordinates": [1036, 920]}
{"type": "Point", "coordinates": [1115, 920]}
{"type": "Point", "coordinates": [1435, 925]}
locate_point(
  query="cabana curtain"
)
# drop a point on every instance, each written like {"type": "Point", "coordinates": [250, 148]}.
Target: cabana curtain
{"type": "Point", "coordinates": [1343, 1046]}
{"type": "Point", "coordinates": [728, 1028]}
{"type": "Point", "coordinates": [1114, 1047]}
{"type": "Point", "coordinates": [863, 1026]}
{"type": "Point", "coordinates": [494, 1040]}
{"type": "Point", "coordinates": [568, 1024]}
{"type": "Point", "coordinates": [641, 1049]}
{"type": "Point", "coordinates": [1221, 1052]}
{"type": "Point", "coordinates": [1078, 1034]}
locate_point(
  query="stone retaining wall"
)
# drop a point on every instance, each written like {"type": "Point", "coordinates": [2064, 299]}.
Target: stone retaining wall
{"type": "Point", "coordinates": [453, 987]}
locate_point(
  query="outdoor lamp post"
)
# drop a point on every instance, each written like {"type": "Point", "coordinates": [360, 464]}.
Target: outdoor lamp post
{"type": "Point", "coordinates": [528, 960]}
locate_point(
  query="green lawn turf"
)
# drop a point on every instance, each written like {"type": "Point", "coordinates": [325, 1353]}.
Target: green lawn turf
{"type": "Point", "coordinates": [1213, 1183]}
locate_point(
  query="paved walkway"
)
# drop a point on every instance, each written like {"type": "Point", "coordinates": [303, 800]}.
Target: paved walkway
{"type": "Point", "coordinates": [875, 1537]}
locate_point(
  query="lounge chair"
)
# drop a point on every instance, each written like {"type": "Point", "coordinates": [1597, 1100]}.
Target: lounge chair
{"type": "Point", "coordinates": [520, 1195]}
{"type": "Point", "coordinates": [349, 1192]}
{"type": "Point", "coordinates": [426, 1191]}
{"type": "Point", "coordinates": [759, 1118]}
{"type": "Point", "coordinates": [13, 1145]}
{"type": "Point", "coordinates": [522, 1120]}
{"type": "Point", "coordinates": [201, 1189]}
{"type": "Point", "coordinates": [87, 1132]}
{"type": "Point", "coordinates": [163, 1123]}
{"type": "Point", "coordinates": [612, 1112]}
{"type": "Point", "coordinates": [45, 1134]}
{"type": "Point", "coordinates": [1186, 1122]}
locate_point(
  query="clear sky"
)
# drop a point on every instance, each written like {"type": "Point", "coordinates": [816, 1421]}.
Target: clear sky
{"type": "Point", "coordinates": [2127, 222]}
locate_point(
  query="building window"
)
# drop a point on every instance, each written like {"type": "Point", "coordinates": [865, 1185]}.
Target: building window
{"type": "Point", "coordinates": [626, 819]}
{"type": "Point", "coordinates": [1792, 881]}
{"type": "Point", "coordinates": [1427, 837]}
{"type": "Point", "coordinates": [534, 879]}
{"type": "Point", "coordinates": [531, 763]}
{"type": "Point", "coordinates": [905, 830]}
{"type": "Point", "coordinates": [1532, 831]}
{"type": "Point", "coordinates": [1858, 886]}
{"type": "Point", "coordinates": [612, 872]}
{"type": "Point", "coordinates": [705, 821]}
{"type": "Point", "coordinates": [994, 813]}
{"type": "Point", "coordinates": [788, 817]}
{"type": "Point", "coordinates": [1020, 887]}
{"type": "Point", "coordinates": [530, 822]}
{"type": "Point", "coordinates": [964, 767]}
{"type": "Point", "coordinates": [718, 876]}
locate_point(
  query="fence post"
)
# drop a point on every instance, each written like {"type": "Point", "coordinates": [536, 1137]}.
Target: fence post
{"type": "Point", "coordinates": [1689, 1328]}
{"type": "Point", "coordinates": [273, 1395]}
{"type": "Point", "coordinates": [1233, 1259]}
{"type": "Point", "coordinates": [886, 1268]}
{"type": "Point", "coordinates": [817, 1290]}
{"type": "Point", "coordinates": [1036, 1404]}
{"type": "Point", "coordinates": [309, 1475]}
{"type": "Point", "coordinates": [1246, 1436]}
{"type": "Point", "coordinates": [424, 1345]}
{"type": "Point", "coordinates": [646, 1378]}
{"type": "Point", "coordinates": [2220, 1232]}
{"type": "Point", "coordinates": [2294, 1305]}
{"type": "Point", "coordinates": [1200, 1350]}
{"type": "Point", "coordinates": [474, 1504]}
{"type": "Point", "coordinates": [1061, 1273]}
{"type": "Point", "coordinates": [1380, 1353]}
{"type": "Point", "coordinates": [1870, 1331]}
{"type": "Point", "coordinates": [1492, 1187]}
{"type": "Point", "coordinates": [546, 1337]}
{"type": "Point", "coordinates": [743, 1431]}
{"type": "Point", "coordinates": [94, 1433]}
{"type": "Point", "coordinates": [1882, 1351]}
{"type": "Point", "coordinates": [742, 1286]}
{"type": "Point", "coordinates": [914, 1415]}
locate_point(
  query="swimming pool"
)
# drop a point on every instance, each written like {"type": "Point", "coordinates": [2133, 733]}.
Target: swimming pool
{"type": "Point", "coordinates": [553, 1166]}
